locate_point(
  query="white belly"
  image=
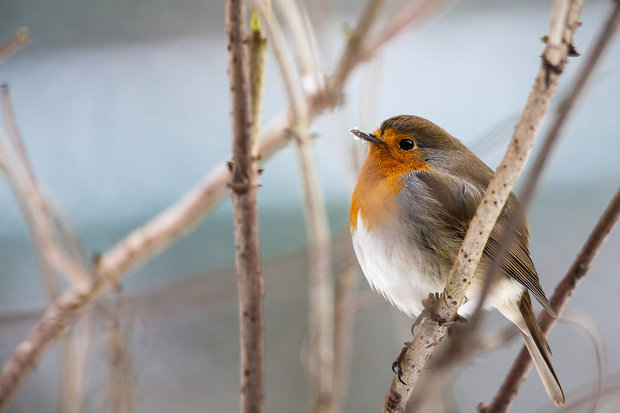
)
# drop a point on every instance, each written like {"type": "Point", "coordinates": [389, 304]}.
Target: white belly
{"type": "Point", "coordinates": [392, 267]}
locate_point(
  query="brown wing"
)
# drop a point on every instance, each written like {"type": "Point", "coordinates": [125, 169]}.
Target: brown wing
{"type": "Point", "coordinates": [460, 199]}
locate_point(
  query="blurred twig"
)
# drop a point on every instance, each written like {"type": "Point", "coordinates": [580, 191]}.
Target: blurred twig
{"type": "Point", "coordinates": [347, 283]}
{"type": "Point", "coordinates": [303, 40]}
{"type": "Point", "coordinates": [442, 312]}
{"type": "Point", "coordinates": [578, 403]}
{"type": "Point", "coordinates": [410, 11]}
{"type": "Point", "coordinates": [321, 295]}
{"type": "Point", "coordinates": [244, 186]}
{"type": "Point", "coordinates": [588, 327]}
{"type": "Point", "coordinates": [76, 351]}
{"type": "Point", "coordinates": [33, 203]}
{"type": "Point", "coordinates": [521, 366]}
{"type": "Point", "coordinates": [354, 52]}
{"type": "Point", "coordinates": [121, 377]}
{"type": "Point", "coordinates": [16, 42]}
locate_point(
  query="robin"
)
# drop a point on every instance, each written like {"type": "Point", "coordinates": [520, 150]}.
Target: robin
{"type": "Point", "coordinates": [415, 196]}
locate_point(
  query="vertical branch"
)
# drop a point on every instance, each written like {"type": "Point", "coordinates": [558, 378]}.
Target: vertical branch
{"type": "Point", "coordinates": [321, 295]}
{"type": "Point", "coordinates": [581, 265]}
{"type": "Point", "coordinates": [121, 375]}
{"type": "Point", "coordinates": [75, 354]}
{"type": "Point", "coordinates": [355, 47]}
{"type": "Point", "coordinates": [244, 196]}
{"type": "Point", "coordinates": [564, 21]}
{"type": "Point", "coordinates": [347, 283]}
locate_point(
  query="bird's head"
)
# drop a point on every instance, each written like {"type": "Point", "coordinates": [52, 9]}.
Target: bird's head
{"type": "Point", "coordinates": [404, 143]}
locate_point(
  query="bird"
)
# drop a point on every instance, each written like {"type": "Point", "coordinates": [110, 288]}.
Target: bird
{"type": "Point", "coordinates": [416, 194]}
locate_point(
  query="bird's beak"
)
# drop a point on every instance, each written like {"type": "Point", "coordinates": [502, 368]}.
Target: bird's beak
{"type": "Point", "coordinates": [368, 137]}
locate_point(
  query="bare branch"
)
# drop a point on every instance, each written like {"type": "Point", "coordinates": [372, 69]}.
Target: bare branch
{"type": "Point", "coordinates": [321, 296]}
{"type": "Point", "coordinates": [347, 284]}
{"type": "Point", "coordinates": [354, 50]}
{"type": "Point", "coordinates": [16, 42]}
{"type": "Point", "coordinates": [458, 349]}
{"type": "Point", "coordinates": [521, 366]}
{"type": "Point", "coordinates": [244, 185]}
{"type": "Point", "coordinates": [34, 205]}
{"type": "Point", "coordinates": [403, 18]}
{"type": "Point", "coordinates": [564, 21]}
{"type": "Point", "coordinates": [565, 110]}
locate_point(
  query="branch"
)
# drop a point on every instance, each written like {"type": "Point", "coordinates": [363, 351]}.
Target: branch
{"type": "Point", "coordinates": [321, 294]}
{"type": "Point", "coordinates": [16, 42]}
{"type": "Point", "coordinates": [563, 291]}
{"type": "Point", "coordinates": [148, 240]}
{"type": "Point", "coordinates": [564, 21]}
{"type": "Point", "coordinates": [403, 18]}
{"type": "Point", "coordinates": [354, 52]}
{"type": "Point", "coordinates": [244, 185]}
{"type": "Point", "coordinates": [34, 205]}
{"type": "Point", "coordinates": [459, 348]}
{"type": "Point", "coordinates": [347, 283]}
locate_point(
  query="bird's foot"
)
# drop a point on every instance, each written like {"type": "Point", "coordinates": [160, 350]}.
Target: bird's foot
{"type": "Point", "coordinates": [397, 365]}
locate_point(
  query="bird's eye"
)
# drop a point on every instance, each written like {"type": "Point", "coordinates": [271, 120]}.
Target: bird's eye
{"type": "Point", "coordinates": [406, 144]}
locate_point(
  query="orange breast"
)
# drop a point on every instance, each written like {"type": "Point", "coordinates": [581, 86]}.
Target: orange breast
{"type": "Point", "coordinates": [380, 179]}
{"type": "Point", "coordinates": [374, 201]}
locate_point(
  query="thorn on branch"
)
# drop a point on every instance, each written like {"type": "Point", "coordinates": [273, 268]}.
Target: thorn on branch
{"type": "Point", "coordinates": [572, 51]}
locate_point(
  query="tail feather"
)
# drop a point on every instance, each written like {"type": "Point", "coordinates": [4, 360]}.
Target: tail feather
{"type": "Point", "coordinates": [538, 348]}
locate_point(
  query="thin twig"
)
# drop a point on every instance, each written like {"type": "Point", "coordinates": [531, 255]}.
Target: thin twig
{"type": "Point", "coordinates": [244, 185]}
{"type": "Point", "coordinates": [401, 19]}
{"type": "Point", "coordinates": [521, 366]}
{"type": "Point", "coordinates": [121, 375]}
{"type": "Point", "coordinates": [354, 51]}
{"type": "Point", "coordinates": [16, 42]}
{"type": "Point", "coordinates": [347, 283]}
{"type": "Point", "coordinates": [35, 206]}
{"type": "Point", "coordinates": [75, 354]}
{"type": "Point", "coordinates": [145, 242]}
{"type": "Point", "coordinates": [443, 310]}
{"type": "Point", "coordinates": [302, 37]}
{"type": "Point", "coordinates": [321, 294]}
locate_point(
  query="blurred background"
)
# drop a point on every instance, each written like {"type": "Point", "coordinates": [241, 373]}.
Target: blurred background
{"type": "Point", "coordinates": [124, 106]}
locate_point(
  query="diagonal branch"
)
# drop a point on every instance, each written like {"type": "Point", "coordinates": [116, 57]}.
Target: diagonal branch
{"type": "Point", "coordinates": [459, 348]}
{"type": "Point", "coordinates": [581, 265]}
{"type": "Point", "coordinates": [564, 20]}
{"type": "Point", "coordinates": [16, 42]}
